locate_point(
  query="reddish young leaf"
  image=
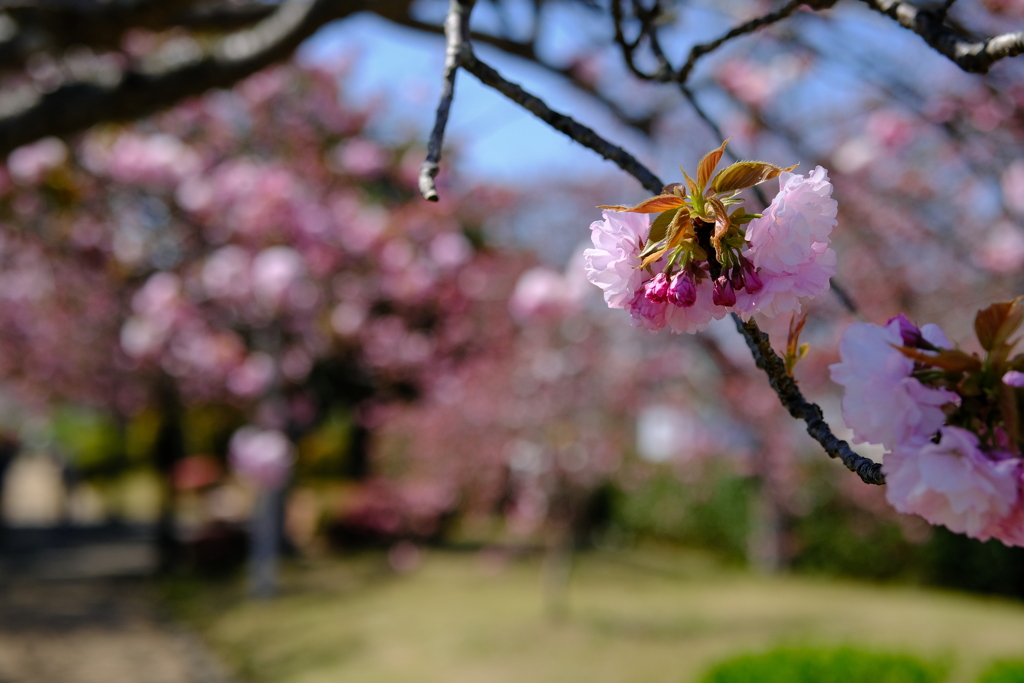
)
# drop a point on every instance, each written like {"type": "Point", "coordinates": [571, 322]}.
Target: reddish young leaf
{"type": "Point", "coordinates": [662, 202]}
{"type": "Point", "coordinates": [951, 360]}
{"type": "Point", "coordinates": [707, 165]}
{"type": "Point", "coordinates": [995, 324]}
{"type": "Point", "coordinates": [745, 174]}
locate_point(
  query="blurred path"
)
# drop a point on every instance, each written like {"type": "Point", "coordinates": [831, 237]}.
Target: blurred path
{"type": "Point", "coordinates": [76, 614]}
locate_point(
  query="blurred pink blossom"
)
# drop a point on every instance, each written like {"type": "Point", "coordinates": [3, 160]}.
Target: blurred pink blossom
{"type": "Point", "coordinates": [450, 249]}
{"type": "Point", "coordinates": [29, 164]}
{"type": "Point", "coordinates": [225, 275]}
{"type": "Point", "coordinates": [274, 270]}
{"type": "Point", "coordinates": [1002, 250]}
{"type": "Point", "coordinates": [159, 160]}
{"type": "Point", "coordinates": [541, 291]}
{"type": "Point", "coordinates": [1013, 187]}
{"type": "Point", "coordinates": [264, 457]}
{"type": "Point", "coordinates": [361, 157]}
{"type": "Point", "coordinates": [253, 376]}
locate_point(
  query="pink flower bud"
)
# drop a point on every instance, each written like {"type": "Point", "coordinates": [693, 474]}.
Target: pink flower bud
{"type": "Point", "coordinates": [646, 313]}
{"type": "Point", "coordinates": [723, 293]}
{"type": "Point", "coordinates": [682, 291]}
{"type": "Point", "coordinates": [656, 290]}
{"type": "Point", "coordinates": [910, 333]}
{"type": "Point", "coordinates": [735, 276]}
{"type": "Point", "coordinates": [751, 278]}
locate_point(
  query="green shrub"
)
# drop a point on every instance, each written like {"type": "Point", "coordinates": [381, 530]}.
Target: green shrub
{"type": "Point", "coordinates": [823, 665]}
{"type": "Point", "coordinates": [711, 513]}
{"type": "Point", "coordinates": [1011, 671]}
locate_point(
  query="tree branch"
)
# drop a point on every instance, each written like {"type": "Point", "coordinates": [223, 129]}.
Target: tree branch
{"type": "Point", "coordinates": [560, 122]}
{"type": "Point", "coordinates": [702, 49]}
{"type": "Point", "coordinates": [793, 400]}
{"type": "Point", "coordinates": [525, 50]}
{"type": "Point", "coordinates": [141, 91]}
{"type": "Point", "coordinates": [969, 55]}
{"type": "Point", "coordinates": [456, 31]}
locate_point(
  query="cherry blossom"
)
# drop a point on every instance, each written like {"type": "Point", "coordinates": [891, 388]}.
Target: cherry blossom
{"type": "Point", "coordinates": [613, 263]}
{"type": "Point", "coordinates": [882, 402]}
{"type": "Point", "coordinates": [264, 457]}
{"type": "Point", "coordinates": [789, 245]}
{"type": "Point", "coordinates": [953, 483]}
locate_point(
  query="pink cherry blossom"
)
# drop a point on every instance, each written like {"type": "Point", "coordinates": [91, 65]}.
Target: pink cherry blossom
{"type": "Point", "coordinates": [656, 289]}
{"type": "Point", "coordinates": [952, 483]}
{"type": "Point", "coordinates": [682, 291]}
{"type": "Point", "coordinates": [882, 403]}
{"type": "Point", "coordinates": [695, 318]}
{"type": "Point", "coordinates": [789, 245]}
{"type": "Point", "coordinates": [613, 263]}
{"type": "Point", "coordinates": [541, 291]}
{"type": "Point", "coordinates": [29, 164]}
{"type": "Point", "coordinates": [1014, 378]}
{"type": "Point", "coordinates": [1010, 529]}
{"type": "Point", "coordinates": [722, 292]}
{"type": "Point", "coordinates": [647, 313]}
{"type": "Point", "coordinates": [263, 457]}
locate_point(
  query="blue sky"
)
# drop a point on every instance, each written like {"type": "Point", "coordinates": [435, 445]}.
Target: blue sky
{"type": "Point", "coordinates": [497, 139]}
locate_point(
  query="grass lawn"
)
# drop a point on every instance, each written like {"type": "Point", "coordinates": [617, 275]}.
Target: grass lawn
{"type": "Point", "coordinates": [644, 616]}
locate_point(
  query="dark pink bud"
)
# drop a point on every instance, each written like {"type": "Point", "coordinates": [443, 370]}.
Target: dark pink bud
{"type": "Point", "coordinates": [656, 289]}
{"type": "Point", "coordinates": [753, 280]}
{"type": "Point", "coordinates": [681, 290]}
{"type": "Point", "coordinates": [723, 293]}
{"type": "Point", "coordinates": [908, 330]}
{"type": "Point", "coordinates": [736, 278]}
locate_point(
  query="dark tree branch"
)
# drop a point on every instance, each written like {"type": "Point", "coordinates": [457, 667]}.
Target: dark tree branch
{"type": "Point", "coordinates": [456, 31]}
{"type": "Point", "coordinates": [793, 400]}
{"type": "Point", "coordinates": [525, 50]}
{"type": "Point", "coordinates": [560, 122]}
{"type": "Point", "coordinates": [970, 55]}
{"type": "Point", "coordinates": [699, 51]}
{"type": "Point", "coordinates": [512, 47]}
{"type": "Point", "coordinates": [141, 91]}
{"type": "Point", "coordinates": [54, 27]}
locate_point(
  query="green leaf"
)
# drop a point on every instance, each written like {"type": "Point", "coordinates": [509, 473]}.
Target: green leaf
{"type": "Point", "coordinates": [745, 174]}
{"type": "Point", "coordinates": [659, 228]}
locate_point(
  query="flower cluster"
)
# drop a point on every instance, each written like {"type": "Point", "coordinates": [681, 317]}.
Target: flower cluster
{"type": "Point", "coordinates": [697, 261]}
{"type": "Point", "coordinates": [950, 421]}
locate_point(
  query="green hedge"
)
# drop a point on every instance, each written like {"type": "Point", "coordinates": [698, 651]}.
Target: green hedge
{"type": "Point", "coordinates": [823, 665]}
{"type": "Point", "coordinates": [1011, 671]}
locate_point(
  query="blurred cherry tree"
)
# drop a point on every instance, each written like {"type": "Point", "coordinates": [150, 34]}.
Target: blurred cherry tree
{"type": "Point", "coordinates": [236, 290]}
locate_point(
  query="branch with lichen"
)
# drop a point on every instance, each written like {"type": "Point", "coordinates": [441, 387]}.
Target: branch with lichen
{"type": "Point", "coordinates": [975, 56]}
{"type": "Point", "coordinates": [702, 49]}
{"type": "Point", "coordinates": [793, 400]}
{"type": "Point", "coordinates": [144, 89]}
{"type": "Point", "coordinates": [456, 31]}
